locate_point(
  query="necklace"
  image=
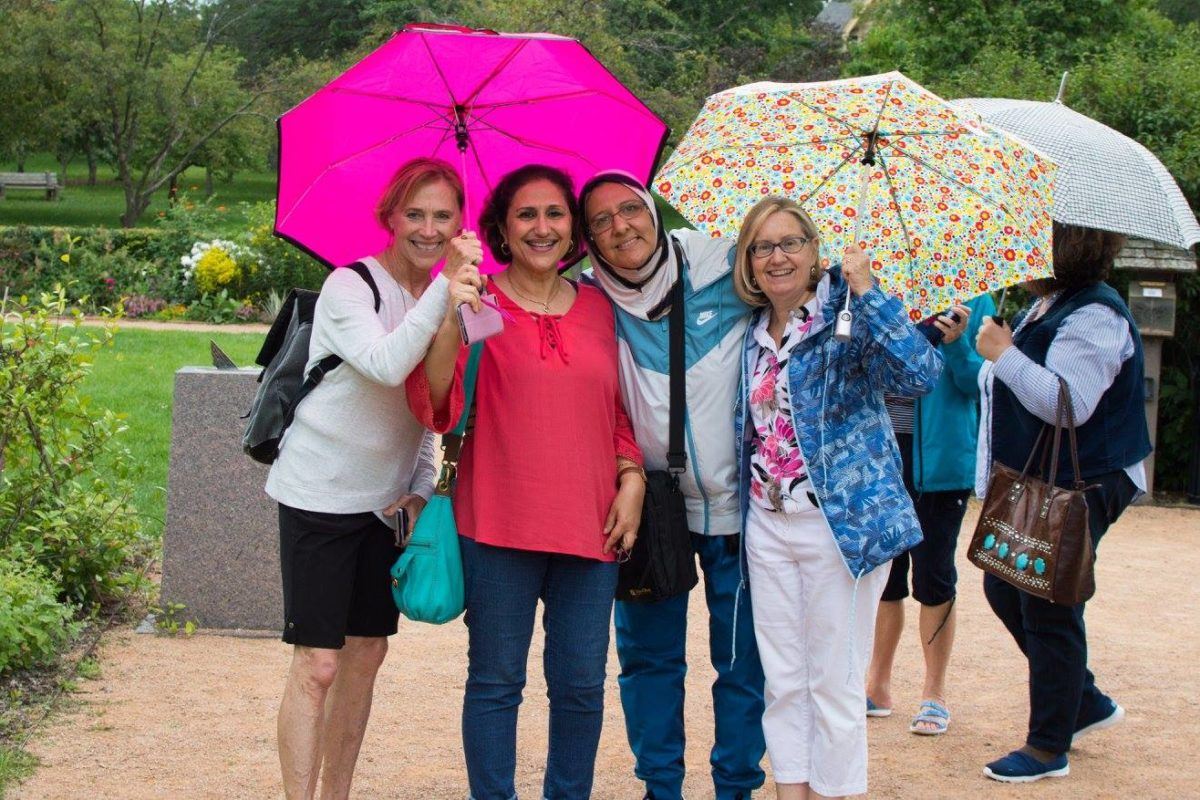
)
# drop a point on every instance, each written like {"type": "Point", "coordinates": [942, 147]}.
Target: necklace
{"type": "Point", "coordinates": [402, 280]}
{"type": "Point", "coordinates": [545, 304]}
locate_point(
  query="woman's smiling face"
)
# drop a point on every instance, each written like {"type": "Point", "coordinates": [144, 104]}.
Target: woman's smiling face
{"type": "Point", "coordinates": [422, 225]}
{"type": "Point", "coordinates": [538, 226]}
{"type": "Point", "coordinates": [783, 275]}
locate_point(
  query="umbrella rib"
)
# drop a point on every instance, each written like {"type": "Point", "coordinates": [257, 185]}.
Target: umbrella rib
{"type": "Point", "coordinates": [831, 175]}
{"type": "Point", "coordinates": [345, 159]}
{"type": "Point", "coordinates": [508, 58]}
{"type": "Point", "coordinates": [893, 136]}
{"type": "Point", "coordinates": [438, 68]}
{"type": "Point", "coordinates": [990, 203]}
{"type": "Point", "coordinates": [482, 170]}
{"type": "Point", "coordinates": [534, 144]}
{"type": "Point", "coordinates": [762, 146]}
{"type": "Point", "coordinates": [392, 97]}
{"type": "Point", "coordinates": [908, 246]}
{"type": "Point", "coordinates": [538, 99]}
{"type": "Point", "coordinates": [882, 106]}
{"type": "Point", "coordinates": [825, 113]}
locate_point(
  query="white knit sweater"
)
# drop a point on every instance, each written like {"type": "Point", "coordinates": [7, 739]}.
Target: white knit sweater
{"type": "Point", "coordinates": [354, 446]}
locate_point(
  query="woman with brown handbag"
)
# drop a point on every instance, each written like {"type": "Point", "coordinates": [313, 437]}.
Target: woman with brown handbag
{"type": "Point", "coordinates": [1078, 329]}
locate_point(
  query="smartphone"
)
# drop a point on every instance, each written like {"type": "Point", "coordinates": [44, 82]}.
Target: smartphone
{"type": "Point", "coordinates": [475, 326]}
{"type": "Point", "coordinates": [932, 332]}
{"type": "Point", "coordinates": [398, 524]}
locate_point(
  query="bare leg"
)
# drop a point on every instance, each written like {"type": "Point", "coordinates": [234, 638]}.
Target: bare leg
{"type": "Point", "coordinates": [301, 719]}
{"type": "Point", "coordinates": [347, 709]}
{"type": "Point", "coordinates": [936, 645]}
{"type": "Point", "coordinates": [889, 624]}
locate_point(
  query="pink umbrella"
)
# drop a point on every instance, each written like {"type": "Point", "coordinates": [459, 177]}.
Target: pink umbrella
{"type": "Point", "coordinates": [486, 102]}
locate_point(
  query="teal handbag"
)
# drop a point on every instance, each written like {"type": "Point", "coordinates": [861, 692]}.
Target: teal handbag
{"type": "Point", "coordinates": [427, 578]}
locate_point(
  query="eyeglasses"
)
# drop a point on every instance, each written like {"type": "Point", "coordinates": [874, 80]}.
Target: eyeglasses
{"type": "Point", "coordinates": [628, 210]}
{"type": "Point", "coordinates": [792, 244]}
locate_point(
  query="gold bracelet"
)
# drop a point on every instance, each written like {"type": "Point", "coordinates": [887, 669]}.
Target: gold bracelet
{"type": "Point", "coordinates": [632, 468]}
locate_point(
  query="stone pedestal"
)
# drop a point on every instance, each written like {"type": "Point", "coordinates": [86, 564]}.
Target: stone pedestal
{"type": "Point", "coordinates": [221, 546]}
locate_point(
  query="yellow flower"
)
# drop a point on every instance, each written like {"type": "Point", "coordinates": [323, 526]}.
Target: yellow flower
{"type": "Point", "coordinates": [216, 268]}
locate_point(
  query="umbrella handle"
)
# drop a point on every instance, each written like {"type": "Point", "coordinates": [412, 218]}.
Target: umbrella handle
{"type": "Point", "coordinates": [845, 319]}
{"type": "Point", "coordinates": [998, 317]}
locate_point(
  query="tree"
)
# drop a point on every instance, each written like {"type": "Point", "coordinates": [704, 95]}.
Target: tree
{"type": "Point", "coordinates": [165, 88]}
{"type": "Point", "coordinates": [29, 84]}
{"type": "Point", "coordinates": [270, 30]}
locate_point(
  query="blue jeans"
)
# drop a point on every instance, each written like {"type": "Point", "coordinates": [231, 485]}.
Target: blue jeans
{"type": "Point", "coordinates": [1062, 690]}
{"type": "Point", "coordinates": [502, 591]}
{"type": "Point", "coordinates": [651, 639]}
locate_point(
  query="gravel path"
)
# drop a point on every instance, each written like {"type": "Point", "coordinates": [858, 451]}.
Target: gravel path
{"type": "Point", "coordinates": [195, 718]}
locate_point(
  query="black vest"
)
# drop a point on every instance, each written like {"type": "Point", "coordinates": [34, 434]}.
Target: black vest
{"type": "Point", "coordinates": [1114, 437]}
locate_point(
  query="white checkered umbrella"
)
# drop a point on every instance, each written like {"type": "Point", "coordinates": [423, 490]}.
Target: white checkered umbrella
{"type": "Point", "coordinates": [1105, 179]}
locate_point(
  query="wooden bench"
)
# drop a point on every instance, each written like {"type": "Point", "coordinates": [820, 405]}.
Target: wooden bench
{"type": "Point", "coordinates": [38, 181]}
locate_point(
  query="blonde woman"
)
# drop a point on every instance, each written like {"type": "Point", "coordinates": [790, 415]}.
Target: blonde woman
{"type": "Point", "coordinates": [824, 502]}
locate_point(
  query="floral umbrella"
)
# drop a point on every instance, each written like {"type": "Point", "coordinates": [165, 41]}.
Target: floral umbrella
{"type": "Point", "coordinates": [486, 102]}
{"type": "Point", "coordinates": [948, 206]}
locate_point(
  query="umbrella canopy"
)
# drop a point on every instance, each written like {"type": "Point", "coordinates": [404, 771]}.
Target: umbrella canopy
{"type": "Point", "coordinates": [1106, 180]}
{"type": "Point", "coordinates": [949, 207]}
{"type": "Point", "coordinates": [486, 102]}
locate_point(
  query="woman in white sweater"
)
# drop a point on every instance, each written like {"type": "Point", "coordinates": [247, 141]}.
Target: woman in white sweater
{"type": "Point", "coordinates": [352, 457]}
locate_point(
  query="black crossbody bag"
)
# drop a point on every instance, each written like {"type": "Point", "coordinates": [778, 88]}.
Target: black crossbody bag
{"type": "Point", "coordinates": [662, 563]}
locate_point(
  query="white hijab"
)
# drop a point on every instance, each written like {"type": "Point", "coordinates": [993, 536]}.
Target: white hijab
{"type": "Point", "coordinates": [634, 290]}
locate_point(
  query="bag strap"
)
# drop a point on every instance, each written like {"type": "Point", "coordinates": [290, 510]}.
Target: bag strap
{"type": "Point", "coordinates": [1066, 414]}
{"type": "Point", "coordinates": [331, 361]}
{"type": "Point", "coordinates": [677, 366]}
{"type": "Point", "coordinates": [365, 274]}
{"type": "Point", "coordinates": [452, 442]}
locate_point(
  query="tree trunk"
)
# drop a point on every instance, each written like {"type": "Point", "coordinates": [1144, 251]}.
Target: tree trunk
{"type": "Point", "coordinates": [91, 164]}
{"type": "Point", "coordinates": [208, 181]}
{"type": "Point", "coordinates": [173, 190]}
{"type": "Point", "coordinates": [21, 157]}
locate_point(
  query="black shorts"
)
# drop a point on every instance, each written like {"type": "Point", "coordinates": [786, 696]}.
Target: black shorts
{"type": "Point", "coordinates": [336, 577]}
{"type": "Point", "coordinates": [934, 575]}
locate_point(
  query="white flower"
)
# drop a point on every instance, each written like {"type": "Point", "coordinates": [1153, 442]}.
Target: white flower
{"type": "Point", "coordinates": [188, 262]}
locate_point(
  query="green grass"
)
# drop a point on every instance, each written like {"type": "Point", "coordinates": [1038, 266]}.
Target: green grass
{"type": "Point", "coordinates": [103, 204]}
{"type": "Point", "coordinates": [136, 377]}
{"type": "Point", "coordinates": [15, 765]}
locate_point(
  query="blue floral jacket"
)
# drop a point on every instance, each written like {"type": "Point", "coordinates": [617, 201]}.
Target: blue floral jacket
{"type": "Point", "coordinates": [843, 429]}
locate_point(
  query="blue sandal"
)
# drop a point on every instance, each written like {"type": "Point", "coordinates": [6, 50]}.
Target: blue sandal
{"type": "Point", "coordinates": [931, 713]}
{"type": "Point", "coordinates": [877, 711]}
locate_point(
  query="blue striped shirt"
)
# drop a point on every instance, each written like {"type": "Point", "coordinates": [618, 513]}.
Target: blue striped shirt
{"type": "Point", "coordinates": [1088, 351]}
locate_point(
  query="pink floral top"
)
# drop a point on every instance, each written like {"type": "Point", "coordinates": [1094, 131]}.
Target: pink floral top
{"type": "Point", "coordinates": [778, 478]}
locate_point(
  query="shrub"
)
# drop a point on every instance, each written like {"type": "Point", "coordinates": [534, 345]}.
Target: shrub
{"type": "Point", "coordinates": [65, 495]}
{"type": "Point", "coordinates": [101, 268]}
{"type": "Point", "coordinates": [34, 624]}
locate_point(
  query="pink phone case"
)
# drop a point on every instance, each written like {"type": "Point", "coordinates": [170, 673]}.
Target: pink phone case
{"type": "Point", "coordinates": [475, 326]}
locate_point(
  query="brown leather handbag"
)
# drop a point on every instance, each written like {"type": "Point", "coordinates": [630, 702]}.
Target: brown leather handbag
{"type": "Point", "coordinates": [1032, 533]}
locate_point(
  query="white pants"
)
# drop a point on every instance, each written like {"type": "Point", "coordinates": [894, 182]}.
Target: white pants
{"type": "Point", "coordinates": [814, 635]}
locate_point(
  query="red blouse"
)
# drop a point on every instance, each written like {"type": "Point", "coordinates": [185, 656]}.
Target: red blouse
{"type": "Point", "coordinates": [538, 471]}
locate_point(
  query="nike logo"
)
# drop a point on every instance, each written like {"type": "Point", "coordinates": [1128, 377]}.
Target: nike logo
{"type": "Point", "coordinates": [705, 317]}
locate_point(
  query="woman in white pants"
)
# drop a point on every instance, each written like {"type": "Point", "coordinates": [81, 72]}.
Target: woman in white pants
{"type": "Point", "coordinates": [824, 500]}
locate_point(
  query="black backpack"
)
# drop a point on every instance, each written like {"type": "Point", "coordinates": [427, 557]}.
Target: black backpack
{"type": "Point", "coordinates": [282, 383]}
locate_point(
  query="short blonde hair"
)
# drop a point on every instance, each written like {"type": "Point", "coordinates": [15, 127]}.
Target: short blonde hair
{"type": "Point", "coordinates": [743, 273]}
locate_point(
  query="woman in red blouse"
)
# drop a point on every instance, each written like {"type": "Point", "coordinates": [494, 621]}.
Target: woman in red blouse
{"type": "Point", "coordinates": [549, 486]}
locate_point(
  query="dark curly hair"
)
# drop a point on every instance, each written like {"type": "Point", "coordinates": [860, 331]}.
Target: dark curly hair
{"type": "Point", "coordinates": [1082, 257]}
{"type": "Point", "coordinates": [495, 209]}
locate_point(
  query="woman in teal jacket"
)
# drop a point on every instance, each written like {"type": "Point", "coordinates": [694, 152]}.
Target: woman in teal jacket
{"type": "Point", "coordinates": [936, 435]}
